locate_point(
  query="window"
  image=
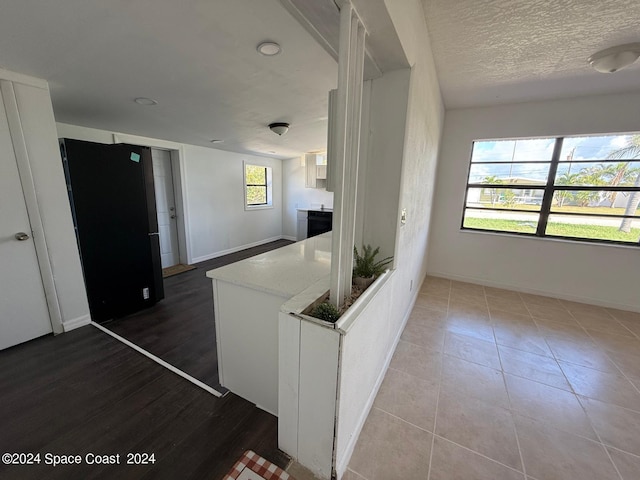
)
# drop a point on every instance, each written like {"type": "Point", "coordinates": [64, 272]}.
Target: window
{"type": "Point", "coordinates": [585, 188]}
{"type": "Point", "coordinates": [257, 180]}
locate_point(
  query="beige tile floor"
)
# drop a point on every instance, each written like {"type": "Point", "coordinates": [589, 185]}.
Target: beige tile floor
{"type": "Point", "coordinates": [492, 384]}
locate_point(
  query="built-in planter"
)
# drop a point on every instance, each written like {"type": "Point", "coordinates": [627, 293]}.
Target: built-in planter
{"type": "Point", "coordinates": [329, 373]}
{"type": "Point", "coordinates": [363, 282]}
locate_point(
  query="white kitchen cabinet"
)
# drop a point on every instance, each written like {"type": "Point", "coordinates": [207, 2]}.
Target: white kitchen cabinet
{"type": "Point", "coordinates": [316, 170]}
{"type": "Point", "coordinates": [301, 233]}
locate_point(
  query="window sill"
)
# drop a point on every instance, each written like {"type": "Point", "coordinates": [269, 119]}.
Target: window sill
{"type": "Point", "coordinates": [550, 239]}
{"type": "Point", "coordinates": [257, 207]}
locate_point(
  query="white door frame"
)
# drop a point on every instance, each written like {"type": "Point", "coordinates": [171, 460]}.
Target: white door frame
{"type": "Point", "coordinates": [173, 228]}
{"type": "Point", "coordinates": [179, 185]}
{"type": "Point", "coordinates": [29, 190]}
{"type": "Point", "coordinates": [180, 197]}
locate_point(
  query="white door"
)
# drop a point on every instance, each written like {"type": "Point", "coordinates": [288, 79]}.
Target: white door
{"type": "Point", "coordinates": [166, 207]}
{"type": "Point", "coordinates": [23, 307]}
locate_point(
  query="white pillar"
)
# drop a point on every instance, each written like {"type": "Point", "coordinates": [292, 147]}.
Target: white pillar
{"type": "Point", "coordinates": [347, 144]}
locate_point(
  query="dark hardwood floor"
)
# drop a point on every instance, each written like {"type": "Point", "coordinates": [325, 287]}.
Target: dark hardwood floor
{"type": "Point", "coordinates": [180, 329]}
{"type": "Point", "coordinates": [84, 392]}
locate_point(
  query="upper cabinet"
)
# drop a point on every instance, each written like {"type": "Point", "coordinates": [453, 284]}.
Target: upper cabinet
{"type": "Point", "coordinates": [320, 169]}
{"type": "Point", "coordinates": [316, 169]}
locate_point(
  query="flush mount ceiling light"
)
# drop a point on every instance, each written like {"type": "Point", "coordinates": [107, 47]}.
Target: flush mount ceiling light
{"type": "Point", "coordinates": [279, 128]}
{"type": "Point", "coordinates": [145, 101]}
{"type": "Point", "coordinates": [215, 140]}
{"type": "Point", "coordinates": [615, 58]}
{"type": "Point", "coordinates": [269, 49]}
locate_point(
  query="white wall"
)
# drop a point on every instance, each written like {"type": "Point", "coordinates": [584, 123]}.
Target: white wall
{"type": "Point", "coordinates": [213, 193]}
{"type": "Point", "coordinates": [382, 165]}
{"type": "Point", "coordinates": [295, 195]}
{"type": "Point", "coordinates": [425, 115]}
{"type": "Point", "coordinates": [599, 274]}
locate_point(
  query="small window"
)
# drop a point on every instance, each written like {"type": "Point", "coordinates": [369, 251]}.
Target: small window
{"type": "Point", "coordinates": [258, 192]}
{"type": "Point", "coordinates": [580, 188]}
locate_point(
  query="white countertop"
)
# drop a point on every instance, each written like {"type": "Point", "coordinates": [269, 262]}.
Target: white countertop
{"type": "Point", "coordinates": [318, 209]}
{"type": "Point", "coordinates": [285, 271]}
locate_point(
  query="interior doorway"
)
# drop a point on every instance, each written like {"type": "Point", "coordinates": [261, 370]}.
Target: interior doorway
{"type": "Point", "coordinates": [165, 207]}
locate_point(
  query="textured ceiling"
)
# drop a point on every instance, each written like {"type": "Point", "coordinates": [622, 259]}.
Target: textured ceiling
{"type": "Point", "coordinates": [501, 51]}
{"type": "Point", "coordinates": [197, 58]}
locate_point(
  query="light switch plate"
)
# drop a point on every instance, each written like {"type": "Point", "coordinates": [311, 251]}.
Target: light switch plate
{"type": "Point", "coordinates": [403, 216]}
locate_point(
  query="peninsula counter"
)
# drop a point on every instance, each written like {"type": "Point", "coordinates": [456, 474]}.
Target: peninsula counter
{"type": "Point", "coordinates": [247, 297]}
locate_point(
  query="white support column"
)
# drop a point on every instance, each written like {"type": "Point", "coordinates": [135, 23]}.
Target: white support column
{"type": "Point", "coordinates": [347, 135]}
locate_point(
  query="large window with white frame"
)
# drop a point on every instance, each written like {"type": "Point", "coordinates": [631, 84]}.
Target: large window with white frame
{"type": "Point", "coordinates": [257, 186]}
{"type": "Point", "coordinates": [580, 188]}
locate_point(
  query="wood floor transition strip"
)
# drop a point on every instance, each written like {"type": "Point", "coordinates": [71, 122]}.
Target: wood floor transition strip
{"type": "Point", "coordinates": [158, 360]}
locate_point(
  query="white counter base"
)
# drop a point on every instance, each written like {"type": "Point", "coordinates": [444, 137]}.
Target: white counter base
{"type": "Point", "coordinates": [247, 297]}
{"type": "Point", "coordinates": [248, 350]}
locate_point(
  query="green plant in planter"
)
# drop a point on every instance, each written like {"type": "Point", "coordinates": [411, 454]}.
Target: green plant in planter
{"type": "Point", "coordinates": [327, 312]}
{"type": "Point", "coordinates": [365, 265]}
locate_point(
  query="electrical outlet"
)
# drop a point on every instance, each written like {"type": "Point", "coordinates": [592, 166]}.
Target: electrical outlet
{"type": "Point", "coordinates": [403, 216]}
{"type": "Point", "coordinates": [145, 293]}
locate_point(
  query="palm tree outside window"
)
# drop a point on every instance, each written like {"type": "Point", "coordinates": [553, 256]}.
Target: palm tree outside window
{"type": "Point", "coordinates": [580, 188]}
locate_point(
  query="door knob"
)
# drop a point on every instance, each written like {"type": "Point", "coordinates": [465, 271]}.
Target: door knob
{"type": "Point", "coordinates": [21, 236]}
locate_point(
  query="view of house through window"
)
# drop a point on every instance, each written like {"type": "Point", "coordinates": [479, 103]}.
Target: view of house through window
{"type": "Point", "coordinates": [257, 186]}
{"type": "Point", "coordinates": [573, 187]}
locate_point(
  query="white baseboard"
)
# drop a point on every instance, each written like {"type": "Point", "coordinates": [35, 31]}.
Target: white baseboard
{"type": "Point", "coordinates": [74, 323]}
{"type": "Point", "coordinates": [236, 249]}
{"type": "Point", "coordinates": [517, 288]}
{"type": "Point", "coordinates": [342, 468]}
{"type": "Point", "coordinates": [289, 237]}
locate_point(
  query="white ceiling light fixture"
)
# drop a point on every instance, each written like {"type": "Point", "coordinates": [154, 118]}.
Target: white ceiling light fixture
{"type": "Point", "coordinates": [147, 102]}
{"type": "Point", "coordinates": [215, 140]}
{"type": "Point", "coordinates": [615, 58]}
{"type": "Point", "coordinates": [269, 49]}
{"type": "Point", "coordinates": [279, 128]}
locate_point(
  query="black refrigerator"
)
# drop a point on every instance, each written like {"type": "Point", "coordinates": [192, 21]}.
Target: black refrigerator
{"type": "Point", "coordinates": [114, 212]}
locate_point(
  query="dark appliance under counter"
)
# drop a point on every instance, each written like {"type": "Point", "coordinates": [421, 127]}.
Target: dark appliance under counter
{"type": "Point", "coordinates": [318, 222]}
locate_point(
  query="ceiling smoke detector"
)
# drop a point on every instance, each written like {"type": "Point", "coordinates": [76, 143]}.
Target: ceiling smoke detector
{"type": "Point", "coordinates": [279, 128]}
{"type": "Point", "coordinates": [615, 58]}
{"type": "Point", "coordinates": [269, 49]}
